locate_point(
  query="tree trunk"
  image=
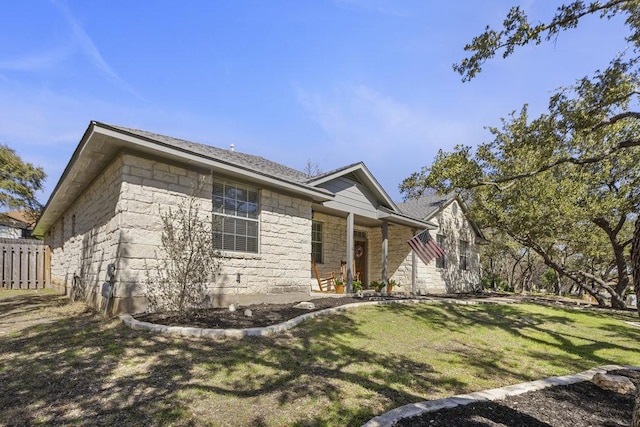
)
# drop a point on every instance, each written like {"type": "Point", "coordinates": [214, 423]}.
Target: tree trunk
{"type": "Point", "coordinates": [635, 418]}
{"type": "Point", "coordinates": [635, 269]}
{"type": "Point", "coordinates": [492, 274]}
{"type": "Point", "coordinates": [592, 292]}
{"type": "Point", "coordinates": [635, 263]}
{"type": "Point", "coordinates": [617, 300]}
{"type": "Point", "coordinates": [579, 280]}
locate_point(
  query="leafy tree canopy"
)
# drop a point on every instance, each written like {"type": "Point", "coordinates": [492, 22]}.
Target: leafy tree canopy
{"type": "Point", "coordinates": [564, 184]}
{"type": "Point", "coordinates": [518, 31]}
{"type": "Point", "coordinates": [19, 181]}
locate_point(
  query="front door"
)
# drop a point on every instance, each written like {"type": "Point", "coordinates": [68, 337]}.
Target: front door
{"type": "Point", "coordinates": [360, 259]}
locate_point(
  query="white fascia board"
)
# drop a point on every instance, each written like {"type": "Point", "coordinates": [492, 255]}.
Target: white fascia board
{"type": "Point", "coordinates": [318, 195]}
{"type": "Point", "coordinates": [54, 206]}
{"type": "Point", "coordinates": [336, 174]}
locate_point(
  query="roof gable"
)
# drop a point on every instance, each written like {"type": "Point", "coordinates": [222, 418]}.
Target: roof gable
{"type": "Point", "coordinates": [429, 205]}
{"type": "Point", "coordinates": [426, 206]}
{"type": "Point", "coordinates": [359, 173]}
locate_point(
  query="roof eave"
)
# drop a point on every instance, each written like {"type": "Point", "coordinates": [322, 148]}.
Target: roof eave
{"type": "Point", "coordinates": [385, 214]}
{"type": "Point", "coordinates": [147, 144]}
{"type": "Point", "coordinates": [56, 205]}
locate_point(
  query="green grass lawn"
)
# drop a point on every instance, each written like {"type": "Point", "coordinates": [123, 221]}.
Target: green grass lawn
{"type": "Point", "coordinates": [334, 370]}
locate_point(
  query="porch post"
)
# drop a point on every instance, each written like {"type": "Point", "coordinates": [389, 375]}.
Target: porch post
{"type": "Point", "coordinates": [385, 251]}
{"type": "Point", "coordinates": [350, 230]}
{"type": "Point", "coordinates": [414, 269]}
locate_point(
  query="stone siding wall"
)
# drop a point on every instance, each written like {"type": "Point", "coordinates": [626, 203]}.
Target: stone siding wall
{"type": "Point", "coordinates": [86, 238]}
{"type": "Point", "coordinates": [149, 188]}
{"type": "Point", "coordinates": [282, 265]}
{"type": "Point", "coordinates": [451, 279]}
{"type": "Point", "coordinates": [118, 220]}
{"type": "Point", "coordinates": [7, 232]}
{"type": "Point", "coordinates": [334, 245]}
{"type": "Point", "coordinates": [399, 252]}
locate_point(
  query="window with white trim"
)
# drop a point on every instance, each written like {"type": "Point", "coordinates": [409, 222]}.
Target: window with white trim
{"type": "Point", "coordinates": [440, 262]}
{"type": "Point", "coordinates": [464, 255]}
{"type": "Point", "coordinates": [236, 217]}
{"type": "Point", "coordinates": [316, 241]}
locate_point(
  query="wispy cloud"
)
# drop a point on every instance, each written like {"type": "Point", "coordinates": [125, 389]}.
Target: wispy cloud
{"type": "Point", "coordinates": [90, 50]}
{"type": "Point", "coordinates": [393, 138]}
{"type": "Point", "coordinates": [383, 7]}
{"type": "Point", "coordinates": [359, 115]}
{"type": "Point", "coordinates": [38, 61]}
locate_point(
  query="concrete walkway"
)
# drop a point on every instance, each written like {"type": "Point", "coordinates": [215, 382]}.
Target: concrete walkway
{"type": "Point", "coordinates": [414, 409]}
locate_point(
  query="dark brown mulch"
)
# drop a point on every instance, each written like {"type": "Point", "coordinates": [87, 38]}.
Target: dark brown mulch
{"type": "Point", "coordinates": [271, 314]}
{"type": "Point", "coordinates": [576, 405]}
{"type": "Point", "coordinates": [261, 314]}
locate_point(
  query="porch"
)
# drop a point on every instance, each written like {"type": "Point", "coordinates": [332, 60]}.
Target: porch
{"type": "Point", "coordinates": [360, 253]}
{"type": "Point", "coordinates": [360, 232]}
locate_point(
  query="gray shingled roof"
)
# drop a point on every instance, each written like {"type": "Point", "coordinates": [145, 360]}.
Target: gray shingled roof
{"type": "Point", "coordinates": [425, 206]}
{"type": "Point", "coordinates": [248, 161]}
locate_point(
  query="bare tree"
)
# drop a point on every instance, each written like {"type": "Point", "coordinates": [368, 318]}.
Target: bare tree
{"type": "Point", "coordinates": [189, 261]}
{"type": "Point", "coordinates": [312, 168]}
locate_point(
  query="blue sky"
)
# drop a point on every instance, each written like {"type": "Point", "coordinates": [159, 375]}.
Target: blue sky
{"type": "Point", "coordinates": [334, 82]}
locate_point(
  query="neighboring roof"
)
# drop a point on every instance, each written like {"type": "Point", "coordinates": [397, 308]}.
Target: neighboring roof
{"type": "Point", "coordinates": [22, 216]}
{"type": "Point", "coordinates": [7, 220]}
{"type": "Point", "coordinates": [429, 205]}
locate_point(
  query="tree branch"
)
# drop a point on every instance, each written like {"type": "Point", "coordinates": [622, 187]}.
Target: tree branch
{"type": "Point", "coordinates": [614, 119]}
{"type": "Point", "coordinates": [627, 143]}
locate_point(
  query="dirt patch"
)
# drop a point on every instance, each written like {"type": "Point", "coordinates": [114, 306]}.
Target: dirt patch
{"type": "Point", "coordinates": [575, 405]}
{"type": "Point", "coordinates": [23, 311]}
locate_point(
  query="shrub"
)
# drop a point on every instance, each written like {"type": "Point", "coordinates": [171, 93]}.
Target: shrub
{"type": "Point", "coordinates": [190, 259]}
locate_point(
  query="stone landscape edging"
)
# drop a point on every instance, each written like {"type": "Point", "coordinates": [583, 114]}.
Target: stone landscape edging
{"type": "Point", "coordinates": [131, 322]}
{"type": "Point", "coordinates": [388, 419]}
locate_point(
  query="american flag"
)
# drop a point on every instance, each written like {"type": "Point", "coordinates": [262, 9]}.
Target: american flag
{"type": "Point", "coordinates": [425, 247]}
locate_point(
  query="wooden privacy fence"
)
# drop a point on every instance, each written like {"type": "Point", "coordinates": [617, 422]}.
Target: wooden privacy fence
{"type": "Point", "coordinates": [25, 264]}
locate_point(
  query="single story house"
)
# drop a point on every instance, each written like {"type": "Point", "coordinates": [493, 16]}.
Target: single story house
{"type": "Point", "coordinates": [105, 213]}
{"type": "Point", "coordinates": [15, 225]}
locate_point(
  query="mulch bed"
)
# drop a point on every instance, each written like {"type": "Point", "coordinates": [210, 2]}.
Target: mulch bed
{"type": "Point", "coordinates": [270, 314]}
{"type": "Point", "coordinates": [575, 405]}
{"type": "Point", "coordinates": [261, 314]}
